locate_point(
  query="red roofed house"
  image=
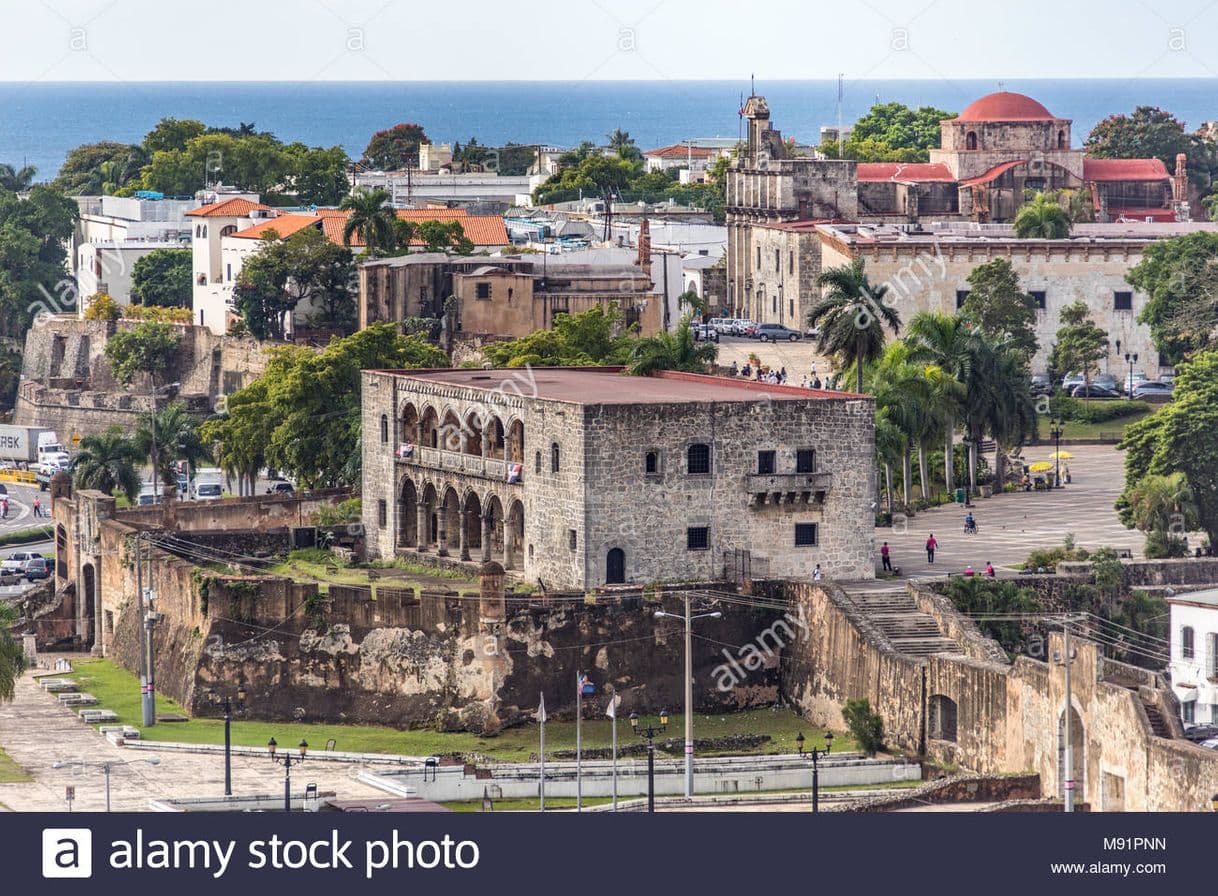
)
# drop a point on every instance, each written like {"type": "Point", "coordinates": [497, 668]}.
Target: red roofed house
{"type": "Point", "coordinates": [226, 233]}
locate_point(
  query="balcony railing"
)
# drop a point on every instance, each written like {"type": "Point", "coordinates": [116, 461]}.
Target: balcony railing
{"type": "Point", "coordinates": [456, 462]}
{"type": "Point", "coordinates": [788, 488]}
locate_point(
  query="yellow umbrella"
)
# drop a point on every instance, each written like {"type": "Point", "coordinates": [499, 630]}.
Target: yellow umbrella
{"type": "Point", "coordinates": [1041, 466]}
{"type": "Point", "coordinates": [1064, 455]}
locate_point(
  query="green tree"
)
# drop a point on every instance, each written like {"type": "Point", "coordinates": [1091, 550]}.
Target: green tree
{"type": "Point", "coordinates": [865, 726]}
{"type": "Point", "coordinates": [34, 234]}
{"type": "Point", "coordinates": [592, 337]}
{"type": "Point", "coordinates": [979, 596]}
{"type": "Point", "coordinates": [1080, 343]}
{"type": "Point", "coordinates": [1041, 219]}
{"type": "Point", "coordinates": [303, 414]}
{"type": "Point", "coordinates": [1152, 133]}
{"type": "Point", "coordinates": [593, 175]}
{"type": "Point", "coordinates": [17, 180]}
{"type": "Point", "coordinates": [283, 273]}
{"type": "Point", "coordinates": [1181, 437]}
{"type": "Point", "coordinates": [12, 654]}
{"type": "Point", "coordinates": [316, 175]}
{"type": "Point", "coordinates": [1164, 507]}
{"type": "Point", "coordinates": [396, 148]}
{"type": "Point", "coordinates": [892, 132]}
{"type": "Point", "coordinates": [442, 236]}
{"type": "Point", "coordinates": [1000, 308]}
{"type": "Point", "coordinates": [677, 350]}
{"type": "Point", "coordinates": [851, 317]}
{"type": "Point", "coordinates": [162, 277]}
{"type": "Point", "coordinates": [1178, 276]}
{"type": "Point", "coordinates": [93, 169]}
{"type": "Point", "coordinates": [148, 348]}
{"type": "Point", "coordinates": [172, 135]}
{"type": "Point", "coordinates": [107, 462]}
{"type": "Point", "coordinates": [176, 438]}
{"type": "Point", "coordinates": [372, 218]}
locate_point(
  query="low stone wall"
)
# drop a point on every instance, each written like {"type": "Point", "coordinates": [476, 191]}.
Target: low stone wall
{"type": "Point", "coordinates": [958, 789]}
{"type": "Point", "coordinates": [1150, 573]}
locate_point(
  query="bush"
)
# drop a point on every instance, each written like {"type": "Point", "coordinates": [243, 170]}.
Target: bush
{"type": "Point", "coordinates": [1161, 545]}
{"type": "Point", "coordinates": [1097, 411]}
{"type": "Point", "coordinates": [103, 307]}
{"type": "Point", "coordinates": [865, 726]}
{"type": "Point", "coordinates": [348, 511]}
{"type": "Point", "coordinates": [1048, 558]}
{"type": "Point", "coordinates": [158, 313]}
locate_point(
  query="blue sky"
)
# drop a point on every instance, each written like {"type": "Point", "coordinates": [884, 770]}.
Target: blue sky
{"type": "Point", "coordinates": [235, 40]}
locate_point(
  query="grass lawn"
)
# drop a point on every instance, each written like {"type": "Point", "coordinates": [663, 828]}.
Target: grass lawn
{"type": "Point", "coordinates": [118, 689]}
{"type": "Point", "coordinates": [316, 566]}
{"type": "Point", "coordinates": [1108, 429]}
{"type": "Point", "coordinates": [11, 772]}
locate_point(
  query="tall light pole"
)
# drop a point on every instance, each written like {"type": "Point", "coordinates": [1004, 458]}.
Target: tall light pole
{"type": "Point", "coordinates": [1055, 430]}
{"type": "Point", "coordinates": [1130, 359]}
{"type": "Point", "coordinates": [214, 696]}
{"type": "Point", "coordinates": [689, 689]}
{"type": "Point", "coordinates": [1065, 659]}
{"type": "Point", "coordinates": [815, 755]}
{"type": "Point", "coordinates": [650, 732]}
{"type": "Point", "coordinates": [285, 760]}
{"type": "Point", "coordinates": [106, 767]}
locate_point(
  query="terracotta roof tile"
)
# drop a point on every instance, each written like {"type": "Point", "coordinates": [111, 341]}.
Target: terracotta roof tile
{"type": "Point", "coordinates": [677, 151]}
{"type": "Point", "coordinates": [993, 174]}
{"type": "Point", "coordinates": [898, 171]}
{"type": "Point", "coordinates": [483, 230]}
{"type": "Point", "coordinates": [1124, 169]}
{"type": "Point", "coordinates": [237, 207]}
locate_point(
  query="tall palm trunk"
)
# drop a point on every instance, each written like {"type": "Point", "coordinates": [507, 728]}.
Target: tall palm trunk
{"type": "Point", "coordinates": [972, 462]}
{"type": "Point", "coordinates": [888, 485]}
{"type": "Point", "coordinates": [907, 475]}
{"type": "Point", "coordinates": [858, 365]}
{"type": "Point", "coordinates": [949, 457]}
{"type": "Point", "coordinates": [923, 472]}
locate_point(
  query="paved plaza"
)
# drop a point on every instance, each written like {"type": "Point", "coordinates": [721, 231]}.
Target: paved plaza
{"type": "Point", "coordinates": [1011, 525]}
{"type": "Point", "coordinates": [36, 732]}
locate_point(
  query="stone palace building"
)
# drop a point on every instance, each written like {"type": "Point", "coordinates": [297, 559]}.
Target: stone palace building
{"type": "Point", "coordinates": [580, 477]}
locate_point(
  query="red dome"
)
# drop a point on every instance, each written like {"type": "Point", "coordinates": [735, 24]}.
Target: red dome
{"type": "Point", "coordinates": [1006, 107]}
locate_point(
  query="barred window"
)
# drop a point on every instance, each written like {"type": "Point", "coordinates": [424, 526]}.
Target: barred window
{"type": "Point", "coordinates": [698, 459]}
{"type": "Point", "coordinates": [697, 538]}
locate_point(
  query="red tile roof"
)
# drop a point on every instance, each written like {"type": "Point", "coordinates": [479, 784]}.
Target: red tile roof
{"type": "Point", "coordinates": [991, 175]}
{"type": "Point", "coordinates": [1124, 170]}
{"type": "Point", "coordinates": [677, 151]}
{"type": "Point", "coordinates": [482, 230]}
{"type": "Point", "coordinates": [1006, 106]}
{"type": "Point", "coordinates": [1139, 215]}
{"type": "Point", "coordinates": [236, 207]}
{"type": "Point", "coordinates": [873, 172]}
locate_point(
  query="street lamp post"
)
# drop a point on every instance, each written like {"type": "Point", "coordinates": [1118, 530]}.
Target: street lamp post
{"type": "Point", "coordinates": [214, 696]}
{"type": "Point", "coordinates": [689, 689]}
{"type": "Point", "coordinates": [815, 755]}
{"type": "Point", "coordinates": [1130, 359]}
{"type": "Point", "coordinates": [1055, 431]}
{"type": "Point", "coordinates": [649, 732]}
{"type": "Point", "coordinates": [106, 767]}
{"type": "Point", "coordinates": [285, 759]}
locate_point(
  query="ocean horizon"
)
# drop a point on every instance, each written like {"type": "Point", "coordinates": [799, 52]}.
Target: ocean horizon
{"type": "Point", "coordinates": [40, 122]}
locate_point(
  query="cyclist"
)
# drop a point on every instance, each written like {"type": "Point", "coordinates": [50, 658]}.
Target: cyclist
{"type": "Point", "coordinates": [970, 524]}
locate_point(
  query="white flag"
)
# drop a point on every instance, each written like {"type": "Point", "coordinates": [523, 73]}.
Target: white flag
{"type": "Point", "coordinates": [614, 702]}
{"type": "Point", "coordinates": [540, 715]}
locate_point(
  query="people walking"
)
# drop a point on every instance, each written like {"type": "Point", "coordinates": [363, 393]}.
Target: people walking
{"type": "Point", "coordinates": [989, 569]}
{"type": "Point", "coordinates": [816, 573]}
{"type": "Point", "coordinates": [37, 507]}
{"type": "Point", "coordinates": [885, 558]}
{"type": "Point", "coordinates": [931, 545]}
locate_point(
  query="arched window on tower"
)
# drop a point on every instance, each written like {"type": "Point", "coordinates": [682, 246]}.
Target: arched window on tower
{"type": "Point", "coordinates": [970, 140]}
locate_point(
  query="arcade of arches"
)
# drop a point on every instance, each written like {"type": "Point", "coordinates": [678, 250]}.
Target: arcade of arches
{"type": "Point", "coordinates": [453, 503]}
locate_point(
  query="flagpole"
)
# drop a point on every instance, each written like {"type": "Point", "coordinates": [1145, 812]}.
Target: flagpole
{"type": "Point", "coordinates": [579, 743]}
{"type": "Point", "coordinates": [541, 783]}
{"type": "Point", "coordinates": [613, 703]}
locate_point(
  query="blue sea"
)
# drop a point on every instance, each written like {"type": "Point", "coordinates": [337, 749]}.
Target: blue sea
{"type": "Point", "coordinates": [40, 122]}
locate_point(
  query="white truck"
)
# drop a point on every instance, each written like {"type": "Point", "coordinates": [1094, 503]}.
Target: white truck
{"type": "Point", "coordinates": [208, 484]}
{"type": "Point", "coordinates": [25, 444]}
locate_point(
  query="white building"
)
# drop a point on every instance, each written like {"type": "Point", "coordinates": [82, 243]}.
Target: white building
{"type": "Point", "coordinates": [114, 232]}
{"type": "Point", "coordinates": [1194, 655]}
{"type": "Point", "coordinates": [214, 272]}
{"type": "Point", "coordinates": [407, 189]}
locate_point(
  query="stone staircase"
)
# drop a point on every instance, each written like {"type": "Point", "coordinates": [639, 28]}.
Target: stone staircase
{"type": "Point", "coordinates": [1157, 723]}
{"type": "Point", "coordinates": [909, 630]}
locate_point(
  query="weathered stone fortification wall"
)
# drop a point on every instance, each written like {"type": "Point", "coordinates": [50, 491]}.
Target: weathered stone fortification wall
{"type": "Point", "coordinates": [69, 386]}
{"type": "Point", "coordinates": [998, 718]}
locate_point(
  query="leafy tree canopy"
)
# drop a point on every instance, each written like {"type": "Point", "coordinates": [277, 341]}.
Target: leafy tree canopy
{"type": "Point", "coordinates": [892, 132]}
{"type": "Point", "coordinates": [1080, 343]}
{"type": "Point", "coordinates": [148, 348]}
{"type": "Point", "coordinates": [591, 337]}
{"type": "Point", "coordinates": [1178, 277]}
{"type": "Point", "coordinates": [94, 169]}
{"type": "Point", "coordinates": [34, 233]}
{"type": "Point", "coordinates": [395, 148]}
{"type": "Point", "coordinates": [1000, 307]}
{"type": "Point", "coordinates": [162, 277]}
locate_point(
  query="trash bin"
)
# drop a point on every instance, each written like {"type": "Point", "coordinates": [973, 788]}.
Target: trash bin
{"type": "Point", "coordinates": [960, 496]}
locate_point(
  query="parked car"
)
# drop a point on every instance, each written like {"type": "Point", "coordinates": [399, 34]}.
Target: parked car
{"type": "Point", "coordinates": [280, 487]}
{"type": "Point", "coordinates": [1169, 378]}
{"type": "Point", "coordinates": [775, 332]}
{"type": "Point", "coordinates": [722, 325]}
{"type": "Point", "coordinates": [1129, 384]}
{"type": "Point", "coordinates": [14, 563]}
{"type": "Point", "coordinates": [1093, 391]}
{"type": "Point", "coordinates": [208, 491]}
{"type": "Point", "coordinates": [812, 332]}
{"type": "Point", "coordinates": [705, 333]}
{"type": "Point", "coordinates": [1211, 744]}
{"type": "Point", "coordinates": [741, 327]}
{"type": "Point", "coordinates": [1199, 733]}
{"type": "Point", "coordinates": [1041, 384]}
{"type": "Point", "coordinates": [1107, 380]}
{"type": "Point", "coordinates": [37, 568]}
{"type": "Point", "coordinates": [1153, 390]}
{"type": "Point", "coordinates": [1071, 380]}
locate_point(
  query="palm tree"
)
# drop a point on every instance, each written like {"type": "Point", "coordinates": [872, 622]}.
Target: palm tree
{"type": "Point", "coordinates": [889, 443]}
{"type": "Point", "coordinates": [12, 654]}
{"type": "Point", "coordinates": [1042, 219]}
{"type": "Point", "coordinates": [902, 397]}
{"type": "Point", "coordinates": [619, 140]}
{"type": "Point", "coordinates": [949, 343]}
{"type": "Point", "coordinates": [17, 180]}
{"type": "Point", "coordinates": [1157, 502]}
{"type": "Point", "coordinates": [177, 437]}
{"type": "Point", "coordinates": [851, 317]}
{"type": "Point", "coordinates": [371, 217]}
{"type": "Point", "coordinates": [106, 462]}
{"type": "Point", "coordinates": [672, 351]}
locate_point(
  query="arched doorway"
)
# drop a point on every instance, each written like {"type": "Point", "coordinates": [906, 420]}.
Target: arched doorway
{"type": "Point", "coordinates": [408, 516]}
{"type": "Point", "coordinates": [513, 534]}
{"type": "Point", "coordinates": [450, 522]}
{"type": "Point", "coordinates": [89, 627]}
{"type": "Point", "coordinates": [472, 434]}
{"type": "Point", "coordinates": [615, 567]}
{"type": "Point", "coordinates": [427, 523]}
{"type": "Point", "coordinates": [515, 442]}
{"type": "Point", "coordinates": [1078, 749]}
{"type": "Point", "coordinates": [450, 432]}
{"type": "Point", "coordinates": [410, 424]}
{"type": "Point", "coordinates": [429, 428]}
{"type": "Point", "coordinates": [495, 532]}
{"type": "Point", "coordinates": [471, 525]}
